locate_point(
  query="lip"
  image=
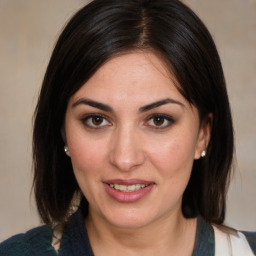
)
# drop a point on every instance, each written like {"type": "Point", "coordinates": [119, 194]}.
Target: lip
{"type": "Point", "coordinates": [128, 197]}
{"type": "Point", "coordinates": [128, 182]}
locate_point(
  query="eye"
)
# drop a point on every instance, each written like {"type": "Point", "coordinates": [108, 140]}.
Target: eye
{"type": "Point", "coordinates": [96, 121]}
{"type": "Point", "coordinates": [160, 121]}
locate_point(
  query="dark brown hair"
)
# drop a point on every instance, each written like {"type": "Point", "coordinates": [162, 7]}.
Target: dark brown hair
{"type": "Point", "coordinates": [101, 30]}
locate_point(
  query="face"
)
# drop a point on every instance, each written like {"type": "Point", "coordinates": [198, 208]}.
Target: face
{"type": "Point", "coordinates": [132, 140]}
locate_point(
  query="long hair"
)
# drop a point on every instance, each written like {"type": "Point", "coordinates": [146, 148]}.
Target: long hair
{"type": "Point", "coordinates": [101, 30]}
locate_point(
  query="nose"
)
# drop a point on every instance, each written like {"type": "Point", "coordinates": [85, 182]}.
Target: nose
{"type": "Point", "coordinates": [126, 149]}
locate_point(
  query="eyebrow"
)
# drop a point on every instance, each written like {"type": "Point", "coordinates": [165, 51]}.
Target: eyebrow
{"type": "Point", "coordinates": [160, 103]}
{"type": "Point", "coordinates": [107, 108]}
{"type": "Point", "coordinates": [93, 103]}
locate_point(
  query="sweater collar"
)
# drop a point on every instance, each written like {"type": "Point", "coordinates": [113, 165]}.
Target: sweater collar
{"type": "Point", "coordinates": [204, 239]}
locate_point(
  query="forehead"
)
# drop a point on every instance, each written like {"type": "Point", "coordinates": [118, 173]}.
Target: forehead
{"type": "Point", "coordinates": [136, 62]}
{"type": "Point", "coordinates": [131, 74]}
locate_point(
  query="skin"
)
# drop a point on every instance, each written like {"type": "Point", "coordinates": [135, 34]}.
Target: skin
{"type": "Point", "coordinates": [131, 142]}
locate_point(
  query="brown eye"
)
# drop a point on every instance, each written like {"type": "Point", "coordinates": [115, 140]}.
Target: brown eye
{"type": "Point", "coordinates": [158, 121]}
{"type": "Point", "coordinates": [97, 120]}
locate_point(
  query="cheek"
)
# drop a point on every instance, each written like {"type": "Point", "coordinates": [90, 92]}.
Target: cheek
{"type": "Point", "coordinates": [87, 160]}
{"type": "Point", "coordinates": [173, 154]}
{"type": "Point", "coordinates": [86, 155]}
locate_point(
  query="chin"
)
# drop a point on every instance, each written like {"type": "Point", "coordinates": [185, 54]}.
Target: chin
{"type": "Point", "coordinates": [129, 219]}
{"type": "Point", "coordinates": [129, 223]}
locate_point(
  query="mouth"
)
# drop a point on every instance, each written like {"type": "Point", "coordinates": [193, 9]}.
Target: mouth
{"type": "Point", "coordinates": [128, 191]}
{"type": "Point", "coordinates": [127, 188]}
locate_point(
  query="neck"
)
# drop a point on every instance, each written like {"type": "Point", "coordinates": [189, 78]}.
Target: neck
{"type": "Point", "coordinates": [172, 235]}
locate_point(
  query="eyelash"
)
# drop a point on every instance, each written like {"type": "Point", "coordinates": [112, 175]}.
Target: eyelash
{"type": "Point", "coordinates": [166, 118]}
{"type": "Point", "coordinates": [91, 126]}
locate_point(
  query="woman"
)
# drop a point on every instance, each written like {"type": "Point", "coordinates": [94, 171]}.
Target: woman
{"type": "Point", "coordinates": [133, 138]}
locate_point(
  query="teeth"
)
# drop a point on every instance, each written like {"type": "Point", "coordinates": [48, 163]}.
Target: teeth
{"type": "Point", "coordinates": [127, 188]}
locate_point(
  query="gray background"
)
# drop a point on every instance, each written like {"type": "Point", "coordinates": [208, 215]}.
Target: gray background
{"type": "Point", "coordinates": [29, 29]}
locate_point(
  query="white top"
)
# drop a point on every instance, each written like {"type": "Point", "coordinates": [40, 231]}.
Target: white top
{"type": "Point", "coordinates": [231, 243]}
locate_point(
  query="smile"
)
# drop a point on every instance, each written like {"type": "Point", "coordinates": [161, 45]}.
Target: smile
{"type": "Point", "coordinates": [127, 188]}
{"type": "Point", "coordinates": [128, 191]}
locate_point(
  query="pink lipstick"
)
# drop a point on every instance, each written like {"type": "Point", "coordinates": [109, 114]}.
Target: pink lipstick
{"type": "Point", "coordinates": [128, 191]}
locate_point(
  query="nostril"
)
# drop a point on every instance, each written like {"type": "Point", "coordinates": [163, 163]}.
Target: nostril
{"type": "Point", "coordinates": [127, 162]}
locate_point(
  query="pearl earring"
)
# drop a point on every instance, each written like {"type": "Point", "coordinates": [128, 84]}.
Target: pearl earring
{"type": "Point", "coordinates": [203, 154]}
{"type": "Point", "coordinates": [66, 149]}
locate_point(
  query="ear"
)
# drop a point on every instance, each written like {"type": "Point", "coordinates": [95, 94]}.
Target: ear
{"type": "Point", "coordinates": [63, 135]}
{"type": "Point", "coordinates": [66, 149]}
{"type": "Point", "coordinates": [204, 136]}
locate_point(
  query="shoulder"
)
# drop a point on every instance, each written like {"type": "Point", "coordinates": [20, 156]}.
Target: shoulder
{"type": "Point", "coordinates": [231, 240]}
{"type": "Point", "coordinates": [36, 241]}
{"type": "Point", "coordinates": [251, 238]}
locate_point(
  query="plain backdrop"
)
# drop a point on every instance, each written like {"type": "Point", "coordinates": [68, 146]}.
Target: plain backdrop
{"type": "Point", "coordinates": [28, 31]}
